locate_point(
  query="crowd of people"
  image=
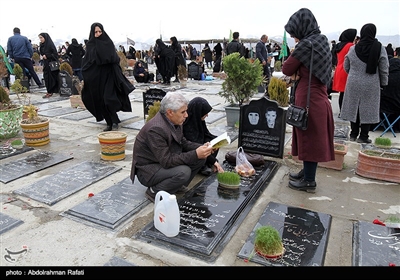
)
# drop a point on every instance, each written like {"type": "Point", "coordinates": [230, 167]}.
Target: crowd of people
{"type": "Point", "coordinates": [173, 146]}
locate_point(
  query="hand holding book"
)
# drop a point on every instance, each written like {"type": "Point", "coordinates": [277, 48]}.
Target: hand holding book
{"type": "Point", "coordinates": [220, 141]}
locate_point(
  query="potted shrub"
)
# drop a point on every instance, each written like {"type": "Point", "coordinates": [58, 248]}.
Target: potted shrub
{"type": "Point", "coordinates": [278, 91]}
{"type": "Point", "coordinates": [242, 80]}
{"type": "Point", "coordinates": [22, 95]}
{"type": "Point", "coordinates": [10, 116]}
{"type": "Point", "coordinates": [35, 128]}
{"type": "Point", "coordinates": [19, 75]}
{"type": "Point", "coordinates": [268, 242]}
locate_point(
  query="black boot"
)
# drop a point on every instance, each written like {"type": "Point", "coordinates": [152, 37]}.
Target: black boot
{"type": "Point", "coordinates": [296, 176]}
{"type": "Point", "coordinates": [303, 185]}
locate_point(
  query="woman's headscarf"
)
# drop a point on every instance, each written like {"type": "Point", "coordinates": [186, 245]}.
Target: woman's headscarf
{"type": "Point", "coordinates": [369, 48]}
{"type": "Point", "coordinates": [303, 25]}
{"type": "Point", "coordinates": [346, 37]}
{"type": "Point", "coordinates": [194, 128]}
{"type": "Point", "coordinates": [47, 46]}
{"type": "Point", "coordinates": [99, 49]}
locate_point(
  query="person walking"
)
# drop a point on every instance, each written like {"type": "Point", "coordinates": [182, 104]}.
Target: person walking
{"type": "Point", "coordinates": [208, 55]}
{"type": "Point", "coordinates": [346, 40]}
{"type": "Point", "coordinates": [303, 27]}
{"type": "Point", "coordinates": [20, 50]}
{"type": "Point", "coordinates": [167, 63]}
{"type": "Point", "coordinates": [179, 59]}
{"type": "Point", "coordinates": [76, 52]}
{"type": "Point", "coordinates": [48, 51]}
{"type": "Point", "coordinates": [106, 89]}
{"type": "Point", "coordinates": [367, 66]}
{"type": "Point", "coordinates": [262, 56]}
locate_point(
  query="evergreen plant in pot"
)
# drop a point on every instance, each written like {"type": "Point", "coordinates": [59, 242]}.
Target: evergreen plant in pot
{"type": "Point", "coordinates": [19, 75]}
{"type": "Point", "coordinates": [242, 80]}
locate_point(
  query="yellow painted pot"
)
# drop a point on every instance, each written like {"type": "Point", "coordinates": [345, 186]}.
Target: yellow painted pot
{"type": "Point", "coordinates": [112, 145]}
{"type": "Point", "coordinates": [36, 134]}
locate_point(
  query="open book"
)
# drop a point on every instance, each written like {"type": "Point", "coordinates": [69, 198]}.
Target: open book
{"type": "Point", "coordinates": [220, 141]}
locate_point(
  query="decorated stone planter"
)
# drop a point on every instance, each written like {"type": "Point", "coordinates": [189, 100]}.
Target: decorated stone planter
{"type": "Point", "coordinates": [36, 134]}
{"type": "Point", "coordinates": [112, 145]}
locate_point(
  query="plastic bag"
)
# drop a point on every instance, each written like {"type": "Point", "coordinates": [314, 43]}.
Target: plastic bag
{"type": "Point", "coordinates": [243, 167]}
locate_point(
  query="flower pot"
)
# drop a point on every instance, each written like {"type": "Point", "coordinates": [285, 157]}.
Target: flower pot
{"type": "Point", "coordinates": [76, 101]}
{"type": "Point", "coordinates": [375, 166]}
{"type": "Point", "coordinates": [232, 115]}
{"type": "Point", "coordinates": [9, 122]}
{"type": "Point", "coordinates": [271, 257]}
{"type": "Point", "coordinates": [36, 134]}
{"type": "Point", "coordinates": [336, 164]}
{"type": "Point", "coordinates": [112, 145]}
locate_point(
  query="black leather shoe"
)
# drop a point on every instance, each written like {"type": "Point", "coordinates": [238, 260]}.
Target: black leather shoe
{"type": "Point", "coordinates": [150, 195]}
{"type": "Point", "coordinates": [303, 185]}
{"type": "Point", "coordinates": [115, 126]}
{"type": "Point", "coordinates": [366, 141]}
{"type": "Point", "coordinates": [353, 139]}
{"type": "Point", "coordinates": [108, 128]}
{"type": "Point", "coordinates": [296, 176]}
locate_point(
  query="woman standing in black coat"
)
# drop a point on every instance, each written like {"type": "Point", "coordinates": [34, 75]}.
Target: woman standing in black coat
{"type": "Point", "coordinates": [166, 64]}
{"type": "Point", "coordinates": [106, 90]}
{"type": "Point", "coordinates": [49, 53]}
{"type": "Point", "coordinates": [76, 52]}
{"type": "Point", "coordinates": [179, 59]}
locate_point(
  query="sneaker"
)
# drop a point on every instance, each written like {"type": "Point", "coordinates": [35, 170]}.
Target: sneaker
{"type": "Point", "coordinates": [366, 141]}
{"type": "Point", "coordinates": [150, 195]}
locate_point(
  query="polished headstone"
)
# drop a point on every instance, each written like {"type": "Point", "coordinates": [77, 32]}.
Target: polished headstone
{"type": "Point", "coordinates": [59, 112]}
{"type": "Point", "coordinates": [375, 245]}
{"type": "Point", "coordinates": [304, 235]}
{"type": "Point", "coordinates": [111, 207]}
{"type": "Point", "coordinates": [30, 164]}
{"type": "Point", "coordinates": [115, 261]}
{"type": "Point", "coordinates": [135, 125]}
{"type": "Point", "coordinates": [78, 116]}
{"type": "Point", "coordinates": [209, 212]}
{"type": "Point", "coordinates": [233, 133]}
{"type": "Point", "coordinates": [54, 188]}
{"type": "Point", "coordinates": [7, 222]}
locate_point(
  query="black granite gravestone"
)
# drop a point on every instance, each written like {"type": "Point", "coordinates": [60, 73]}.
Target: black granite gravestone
{"type": "Point", "coordinates": [375, 245]}
{"type": "Point", "coordinates": [149, 97]}
{"type": "Point", "coordinates": [66, 86]}
{"type": "Point", "coordinates": [304, 235]}
{"type": "Point", "coordinates": [8, 151]}
{"type": "Point", "coordinates": [112, 206]}
{"type": "Point", "coordinates": [59, 111]}
{"type": "Point", "coordinates": [30, 164]}
{"type": "Point", "coordinates": [208, 213]}
{"type": "Point", "coordinates": [7, 223]}
{"type": "Point", "coordinates": [52, 189]}
{"type": "Point", "coordinates": [262, 128]}
{"type": "Point", "coordinates": [78, 116]}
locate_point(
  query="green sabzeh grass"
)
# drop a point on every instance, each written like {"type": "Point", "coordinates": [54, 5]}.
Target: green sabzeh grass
{"type": "Point", "coordinates": [229, 178]}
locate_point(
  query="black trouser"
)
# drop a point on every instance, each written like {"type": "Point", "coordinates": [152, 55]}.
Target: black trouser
{"type": "Point", "coordinates": [27, 63]}
{"type": "Point", "coordinates": [310, 170]}
{"type": "Point", "coordinates": [355, 129]}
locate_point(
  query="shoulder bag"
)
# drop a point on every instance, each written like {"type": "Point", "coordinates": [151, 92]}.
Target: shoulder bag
{"type": "Point", "coordinates": [298, 116]}
{"type": "Point", "coordinates": [54, 65]}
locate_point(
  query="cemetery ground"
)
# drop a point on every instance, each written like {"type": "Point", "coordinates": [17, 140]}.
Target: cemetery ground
{"type": "Point", "coordinates": [53, 230]}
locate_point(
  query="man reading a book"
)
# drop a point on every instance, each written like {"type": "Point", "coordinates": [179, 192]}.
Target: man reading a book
{"type": "Point", "coordinates": [163, 159]}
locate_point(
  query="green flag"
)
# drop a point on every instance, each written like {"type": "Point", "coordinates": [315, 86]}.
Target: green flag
{"type": "Point", "coordinates": [283, 52]}
{"type": "Point", "coordinates": [230, 36]}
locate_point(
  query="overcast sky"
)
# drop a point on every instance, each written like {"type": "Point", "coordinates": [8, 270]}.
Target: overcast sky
{"type": "Point", "coordinates": [143, 21]}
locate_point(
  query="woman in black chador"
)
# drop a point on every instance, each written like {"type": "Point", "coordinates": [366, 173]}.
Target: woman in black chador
{"type": "Point", "coordinates": [166, 64]}
{"type": "Point", "coordinates": [179, 59]}
{"type": "Point", "coordinates": [49, 53]}
{"type": "Point", "coordinates": [106, 90]}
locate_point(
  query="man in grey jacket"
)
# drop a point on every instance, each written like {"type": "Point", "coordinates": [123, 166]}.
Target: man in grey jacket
{"type": "Point", "coordinates": [163, 159]}
{"type": "Point", "coordinates": [20, 50]}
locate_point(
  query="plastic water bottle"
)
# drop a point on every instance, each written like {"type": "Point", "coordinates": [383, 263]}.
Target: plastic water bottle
{"type": "Point", "coordinates": [166, 214]}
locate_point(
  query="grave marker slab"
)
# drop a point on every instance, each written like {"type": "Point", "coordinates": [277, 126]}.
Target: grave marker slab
{"type": "Point", "coordinates": [111, 207]}
{"type": "Point", "coordinates": [213, 117]}
{"type": "Point", "coordinates": [7, 223]}
{"type": "Point", "coordinates": [85, 114]}
{"type": "Point", "coordinates": [123, 116]}
{"type": "Point", "coordinates": [30, 164]}
{"type": "Point", "coordinates": [375, 245]}
{"type": "Point", "coordinates": [6, 152]}
{"type": "Point", "coordinates": [52, 189]}
{"type": "Point", "coordinates": [135, 125]}
{"type": "Point", "coordinates": [304, 235]}
{"type": "Point", "coordinates": [208, 213]}
{"type": "Point", "coordinates": [59, 112]}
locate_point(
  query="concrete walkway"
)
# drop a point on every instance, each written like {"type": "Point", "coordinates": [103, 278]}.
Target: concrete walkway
{"type": "Point", "coordinates": [55, 240]}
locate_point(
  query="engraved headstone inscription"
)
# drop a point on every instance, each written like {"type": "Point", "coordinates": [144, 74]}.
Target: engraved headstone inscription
{"type": "Point", "coordinates": [111, 207]}
{"type": "Point", "coordinates": [52, 189]}
{"type": "Point", "coordinates": [304, 235]}
{"type": "Point", "coordinates": [149, 97]}
{"type": "Point", "coordinates": [262, 128]}
{"type": "Point", "coordinates": [375, 245]}
{"type": "Point", "coordinates": [30, 164]}
{"type": "Point", "coordinates": [7, 223]}
{"type": "Point", "coordinates": [208, 213]}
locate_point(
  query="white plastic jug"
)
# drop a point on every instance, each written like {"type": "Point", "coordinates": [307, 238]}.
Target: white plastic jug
{"type": "Point", "coordinates": [166, 214]}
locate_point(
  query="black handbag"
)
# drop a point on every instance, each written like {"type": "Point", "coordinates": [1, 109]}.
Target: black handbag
{"type": "Point", "coordinates": [298, 116]}
{"type": "Point", "coordinates": [54, 65]}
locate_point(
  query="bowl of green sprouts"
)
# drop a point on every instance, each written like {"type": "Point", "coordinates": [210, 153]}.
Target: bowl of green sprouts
{"type": "Point", "coordinates": [392, 221]}
{"type": "Point", "coordinates": [228, 179]}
